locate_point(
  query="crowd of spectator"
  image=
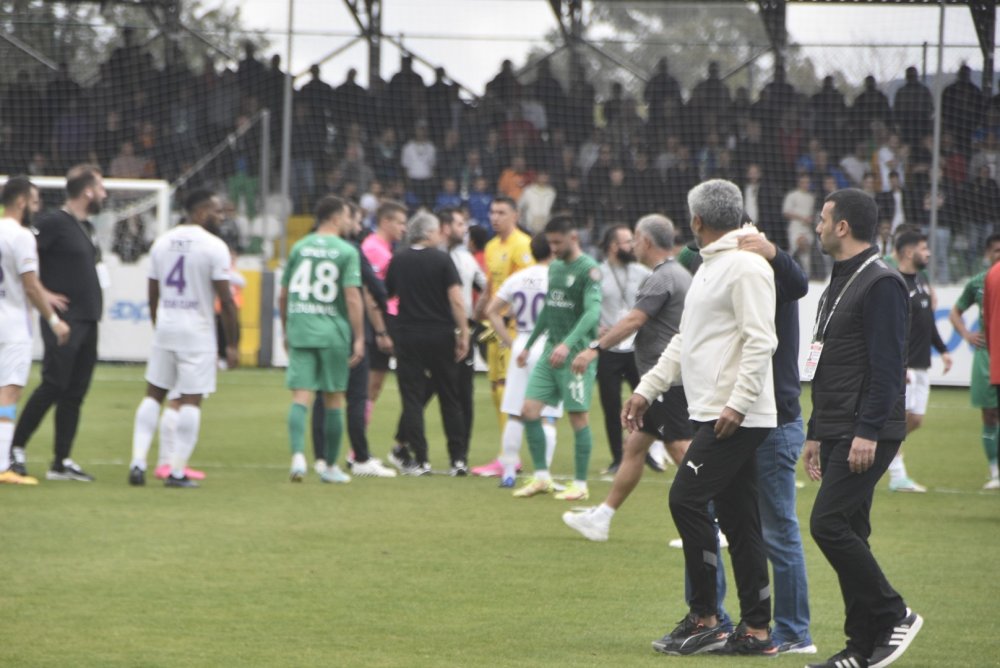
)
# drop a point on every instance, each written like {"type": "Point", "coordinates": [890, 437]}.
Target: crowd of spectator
{"type": "Point", "coordinates": [548, 146]}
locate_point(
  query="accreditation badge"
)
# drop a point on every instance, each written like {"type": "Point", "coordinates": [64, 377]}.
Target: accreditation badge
{"type": "Point", "coordinates": [812, 359]}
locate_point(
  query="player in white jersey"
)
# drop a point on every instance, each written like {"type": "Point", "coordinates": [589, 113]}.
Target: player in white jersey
{"type": "Point", "coordinates": [19, 284]}
{"type": "Point", "coordinates": [189, 270]}
{"type": "Point", "coordinates": [522, 296]}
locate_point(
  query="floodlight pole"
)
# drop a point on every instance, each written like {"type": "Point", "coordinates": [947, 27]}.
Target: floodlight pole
{"type": "Point", "coordinates": [286, 137]}
{"type": "Point", "coordinates": [936, 156]}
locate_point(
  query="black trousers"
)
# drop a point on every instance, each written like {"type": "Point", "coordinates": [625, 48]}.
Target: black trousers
{"type": "Point", "coordinates": [466, 376]}
{"type": "Point", "coordinates": [357, 400]}
{"type": "Point", "coordinates": [840, 526]}
{"type": "Point", "coordinates": [66, 374]}
{"type": "Point", "coordinates": [612, 369]}
{"type": "Point", "coordinates": [724, 472]}
{"type": "Point", "coordinates": [427, 361]}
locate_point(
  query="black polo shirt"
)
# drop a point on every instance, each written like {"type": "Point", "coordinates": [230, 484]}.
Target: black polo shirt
{"type": "Point", "coordinates": [67, 258]}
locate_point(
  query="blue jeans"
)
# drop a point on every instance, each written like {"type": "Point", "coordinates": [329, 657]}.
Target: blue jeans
{"type": "Point", "coordinates": [777, 458]}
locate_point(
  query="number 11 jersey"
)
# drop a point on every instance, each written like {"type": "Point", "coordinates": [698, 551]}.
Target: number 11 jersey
{"type": "Point", "coordinates": [185, 261]}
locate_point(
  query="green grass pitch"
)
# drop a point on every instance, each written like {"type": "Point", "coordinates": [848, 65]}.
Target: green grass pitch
{"type": "Point", "coordinates": [251, 570]}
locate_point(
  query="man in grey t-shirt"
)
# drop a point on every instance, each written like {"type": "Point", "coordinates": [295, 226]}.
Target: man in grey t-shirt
{"type": "Point", "coordinates": [654, 320]}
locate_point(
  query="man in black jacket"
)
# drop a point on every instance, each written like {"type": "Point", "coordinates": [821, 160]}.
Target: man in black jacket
{"type": "Point", "coordinates": [857, 363]}
{"type": "Point", "coordinates": [68, 255]}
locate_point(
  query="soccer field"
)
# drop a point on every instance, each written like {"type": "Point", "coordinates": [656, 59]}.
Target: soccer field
{"type": "Point", "coordinates": [436, 571]}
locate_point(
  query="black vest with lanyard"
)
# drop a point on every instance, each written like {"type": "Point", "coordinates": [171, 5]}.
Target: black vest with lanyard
{"type": "Point", "coordinates": [838, 357]}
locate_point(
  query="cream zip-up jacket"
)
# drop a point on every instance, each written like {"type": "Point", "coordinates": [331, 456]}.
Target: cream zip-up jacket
{"type": "Point", "coordinates": [722, 353]}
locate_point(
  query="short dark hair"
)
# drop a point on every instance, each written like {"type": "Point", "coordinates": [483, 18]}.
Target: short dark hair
{"type": "Point", "coordinates": [540, 248]}
{"type": "Point", "coordinates": [609, 236]}
{"type": "Point", "coordinates": [15, 187]}
{"type": "Point", "coordinates": [478, 236]}
{"type": "Point", "coordinates": [561, 224]}
{"type": "Point", "coordinates": [990, 240]}
{"type": "Point", "coordinates": [908, 238]}
{"type": "Point", "coordinates": [388, 208]}
{"type": "Point", "coordinates": [81, 177]}
{"type": "Point", "coordinates": [196, 198]}
{"type": "Point", "coordinates": [858, 208]}
{"type": "Point", "coordinates": [503, 199]}
{"type": "Point", "coordinates": [446, 214]}
{"type": "Point", "coordinates": [328, 205]}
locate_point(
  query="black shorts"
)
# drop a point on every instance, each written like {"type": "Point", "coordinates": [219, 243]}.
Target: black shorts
{"type": "Point", "coordinates": [378, 360]}
{"type": "Point", "coordinates": [667, 419]}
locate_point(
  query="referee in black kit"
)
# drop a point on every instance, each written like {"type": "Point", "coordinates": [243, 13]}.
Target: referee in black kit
{"type": "Point", "coordinates": [68, 255]}
{"type": "Point", "coordinates": [857, 363]}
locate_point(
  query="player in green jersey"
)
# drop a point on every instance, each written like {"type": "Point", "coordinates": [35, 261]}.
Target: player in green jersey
{"type": "Point", "coordinates": [569, 317]}
{"type": "Point", "coordinates": [321, 315]}
{"type": "Point", "coordinates": [984, 395]}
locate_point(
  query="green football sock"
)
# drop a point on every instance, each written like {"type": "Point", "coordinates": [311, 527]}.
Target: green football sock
{"type": "Point", "coordinates": [536, 443]}
{"type": "Point", "coordinates": [297, 427]}
{"type": "Point", "coordinates": [333, 424]}
{"type": "Point", "coordinates": [990, 442]}
{"type": "Point", "coordinates": [584, 442]}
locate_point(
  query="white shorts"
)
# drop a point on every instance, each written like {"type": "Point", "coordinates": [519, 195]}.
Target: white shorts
{"type": "Point", "coordinates": [183, 372]}
{"type": "Point", "coordinates": [15, 363]}
{"type": "Point", "coordinates": [516, 384]}
{"type": "Point", "coordinates": [918, 390]}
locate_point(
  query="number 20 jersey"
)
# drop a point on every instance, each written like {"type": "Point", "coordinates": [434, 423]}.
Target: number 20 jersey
{"type": "Point", "coordinates": [185, 261]}
{"type": "Point", "coordinates": [525, 292]}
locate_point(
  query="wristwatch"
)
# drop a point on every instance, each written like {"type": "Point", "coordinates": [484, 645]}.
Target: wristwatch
{"type": "Point", "coordinates": [595, 345]}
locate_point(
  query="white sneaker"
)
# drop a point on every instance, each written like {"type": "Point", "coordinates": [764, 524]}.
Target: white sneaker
{"type": "Point", "coordinates": [298, 469]}
{"type": "Point", "coordinates": [319, 466]}
{"type": "Point", "coordinates": [333, 474]}
{"type": "Point", "coordinates": [372, 468]}
{"type": "Point", "coordinates": [994, 483]}
{"type": "Point", "coordinates": [589, 523]}
{"type": "Point", "coordinates": [906, 485]}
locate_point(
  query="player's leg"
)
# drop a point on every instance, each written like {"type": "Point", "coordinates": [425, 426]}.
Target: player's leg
{"type": "Point", "coordinates": [497, 362]}
{"type": "Point", "coordinates": [195, 380]}
{"type": "Point", "coordinates": [984, 397]}
{"type": "Point", "coordinates": [576, 390]}
{"type": "Point", "coordinates": [317, 422]}
{"type": "Point", "coordinates": [917, 394]}
{"type": "Point", "coordinates": [542, 390]}
{"type": "Point", "coordinates": [302, 378]}
{"type": "Point", "coordinates": [332, 379]}
{"type": "Point", "coordinates": [991, 418]}
{"type": "Point", "coordinates": [167, 434]}
{"type": "Point", "coordinates": [161, 373]}
{"type": "Point", "coordinates": [513, 399]}
{"type": "Point", "coordinates": [15, 366]}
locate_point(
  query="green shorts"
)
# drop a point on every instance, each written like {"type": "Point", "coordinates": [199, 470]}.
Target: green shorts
{"type": "Point", "coordinates": [550, 386]}
{"type": "Point", "coordinates": [983, 394]}
{"type": "Point", "coordinates": [318, 369]}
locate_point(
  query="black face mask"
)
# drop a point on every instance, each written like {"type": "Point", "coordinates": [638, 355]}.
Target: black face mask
{"type": "Point", "coordinates": [625, 256]}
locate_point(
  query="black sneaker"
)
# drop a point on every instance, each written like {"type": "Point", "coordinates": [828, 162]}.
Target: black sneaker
{"type": "Point", "coordinates": [68, 470]}
{"type": "Point", "coordinates": [171, 481]}
{"type": "Point", "coordinates": [459, 469]}
{"type": "Point", "coordinates": [400, 457]}
{"type": "Point", "coordinates": [741, 641]}
{"type": "Point", "coordinates": [891, 643]}
{"type": "Point", "coordinates": [691, 637]}
{"type": "Point", "coordinates": [18, 461]}
{"type": "Point", "coordinates": [845, 658]}
{"type": "Point", "coordinates": [136, 477]}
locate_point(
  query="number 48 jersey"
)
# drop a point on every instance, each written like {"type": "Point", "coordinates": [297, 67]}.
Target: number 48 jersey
{"type": "Point", "coordinates": [185, 261]}
{"type": "Point", "coordinates": [319, 267]}
{"type": "Point", "coordinates": [525, 292]}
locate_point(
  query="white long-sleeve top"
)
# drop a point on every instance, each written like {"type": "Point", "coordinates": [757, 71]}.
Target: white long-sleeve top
{"type": "Point", "coordinates": [722, 353]}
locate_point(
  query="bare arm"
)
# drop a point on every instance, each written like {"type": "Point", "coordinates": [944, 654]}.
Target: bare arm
{"type": "Point", "coordinates": [36, 294]}
{"type": "Point", "coordinates": [461, 322]}
{"type": "Point", "coordinates": [382, 338]}
{"type": "Point", "coordinates": [153, 296]}
{"type": "Point", "coordinates": [230, 320]}
{"type": "Point", "coordinates": [494, 313]}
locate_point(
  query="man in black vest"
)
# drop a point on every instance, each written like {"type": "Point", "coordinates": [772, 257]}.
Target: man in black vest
{"type": "Point", "coordinates": [857, 363]}
{"type": "Point", "coordinates": [68, 255]}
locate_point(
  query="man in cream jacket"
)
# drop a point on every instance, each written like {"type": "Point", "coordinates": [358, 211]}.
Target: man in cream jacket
{"type": "Point", "coordinates": [722, 354]}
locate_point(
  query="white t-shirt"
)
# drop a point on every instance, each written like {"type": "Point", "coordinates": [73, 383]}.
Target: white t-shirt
{"type": "Point", "coordinates": [525, 292]}
{"type": "Point", "coordinates": [185, 261]}
{"type": "Point", "coordinates": [18, 255]}
{"type": "Point", "coordinates": [470, 273]}
{"type": "Point", "coordinates": [418, 159]}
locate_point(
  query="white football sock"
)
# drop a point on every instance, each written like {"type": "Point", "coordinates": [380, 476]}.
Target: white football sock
{"type": "Point", "coordinates": [549, 428]}
{"type": "Point", "coordinates": [897, 469]}
{"type": "Point", "coordinates": [604, 511]}
{"type": "Point", "coordinates": [188, 424]}
{"type": "Point", "coordinates": [168, 436]}
{"type": "Point", "coordinates": [142, 431]}
{"type": "Point", "coordinates": [994, 471]}
{"type": "Point", "coordinates": [6, 438]}
{"type": "Point", "coordinates": [513, 433]}
{"type": "Point", "coordinates": [542, 475]}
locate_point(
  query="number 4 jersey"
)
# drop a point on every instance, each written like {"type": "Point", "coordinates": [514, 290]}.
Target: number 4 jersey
{"type": "Point", "coordinates": [319, 267]}
{"type": "Point", "coordinates": [185, 261]}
